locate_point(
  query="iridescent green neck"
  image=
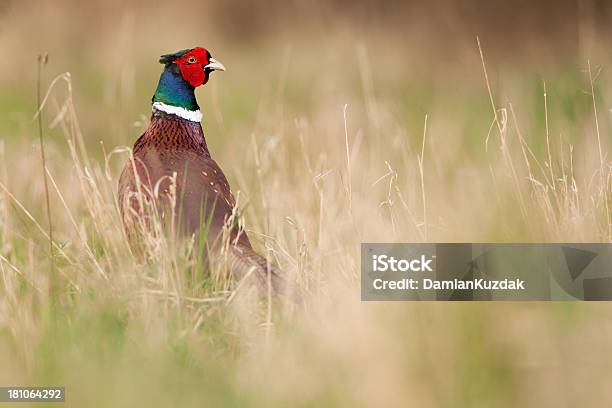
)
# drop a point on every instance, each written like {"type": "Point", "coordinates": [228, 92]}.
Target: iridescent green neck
{"type": "Point", "coordinates": [174, 90]}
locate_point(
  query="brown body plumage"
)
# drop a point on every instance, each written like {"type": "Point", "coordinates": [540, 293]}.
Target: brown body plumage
{"type": "Point", "coordinates": [173, 167]}
{"type": "Point", "coordinates": [173, 151]}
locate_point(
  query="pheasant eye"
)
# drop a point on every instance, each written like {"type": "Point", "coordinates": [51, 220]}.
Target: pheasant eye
{"type": "Point", "coordinates": [191, 60]}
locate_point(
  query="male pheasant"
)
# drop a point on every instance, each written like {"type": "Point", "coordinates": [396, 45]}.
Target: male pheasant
{"type": "Point", "coordinates": [173, 172]}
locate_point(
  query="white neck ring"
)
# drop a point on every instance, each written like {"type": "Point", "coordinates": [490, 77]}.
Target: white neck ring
{"type": "Point", "coordinates": [193, 116]}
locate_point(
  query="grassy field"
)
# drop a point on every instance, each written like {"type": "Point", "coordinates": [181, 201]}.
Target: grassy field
{"type": "Point", "coordinates": [331, 138]}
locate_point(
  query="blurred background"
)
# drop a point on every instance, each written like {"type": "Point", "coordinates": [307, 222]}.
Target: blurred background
{"type": "Point", "coordinates": [336, 122]}
{"type": "Point", "coordinates": [293, 49]}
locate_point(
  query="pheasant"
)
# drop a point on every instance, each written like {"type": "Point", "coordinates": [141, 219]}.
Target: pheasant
{"type": "Point", "coordinates": [173, 172]}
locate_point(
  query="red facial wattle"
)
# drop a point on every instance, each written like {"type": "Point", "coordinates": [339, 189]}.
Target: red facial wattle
{"type": "Point", "coordinates": [192, 66]}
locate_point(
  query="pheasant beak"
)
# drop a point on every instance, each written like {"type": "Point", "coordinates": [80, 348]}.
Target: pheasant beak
{"type": "Point", "coordinates": [214, 65]}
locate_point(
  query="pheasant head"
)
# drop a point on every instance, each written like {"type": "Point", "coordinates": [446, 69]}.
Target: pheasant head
{"type": "Point", "coordinates": [184, 71]}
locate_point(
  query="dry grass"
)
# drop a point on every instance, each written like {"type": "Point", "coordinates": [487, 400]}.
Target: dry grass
{"type": "Point", "coordinates": [322, 160]}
